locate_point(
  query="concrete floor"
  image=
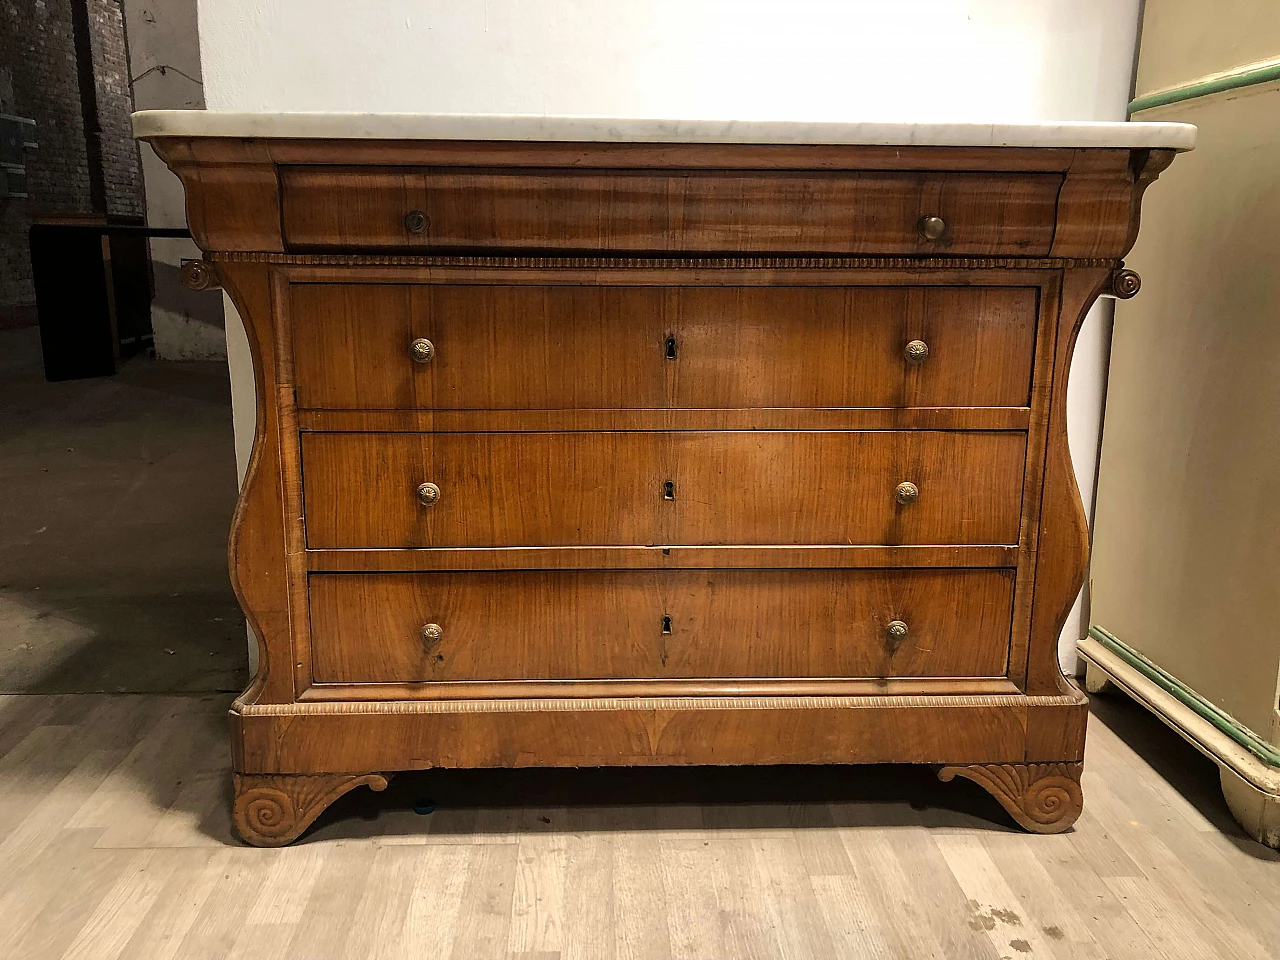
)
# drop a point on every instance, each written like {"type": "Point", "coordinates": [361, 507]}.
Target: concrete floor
{"type": "Point", "coordinates": [116, 495]}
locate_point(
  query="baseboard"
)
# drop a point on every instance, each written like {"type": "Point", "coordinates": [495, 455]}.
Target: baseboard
{"type": "Point", "coordinates": [1209, 729]}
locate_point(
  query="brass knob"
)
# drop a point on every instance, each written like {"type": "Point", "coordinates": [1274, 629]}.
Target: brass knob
{"type": "Point", "coordinates": [896, 631]}
{"type": "Point", "coordinates": [428, 494]}
{"type": "Point", "coordinates": [932, 228]}
{"type": "Point", "coordinates": [415, 221]}
{"type": "Point", "coordinates": [422, 350]}
{"type": "Point", "coordinates": [431, 633]}
{"type": "Point", "coordinates": [916, 352]}
{"type": "Point", "coordinates": [906, 492]}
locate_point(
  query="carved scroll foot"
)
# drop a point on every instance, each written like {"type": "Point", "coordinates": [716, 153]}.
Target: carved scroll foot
{"type": "Point", "coordinates": [272, 810]}
{"type": "Point", "coordinates": [1041, 797]}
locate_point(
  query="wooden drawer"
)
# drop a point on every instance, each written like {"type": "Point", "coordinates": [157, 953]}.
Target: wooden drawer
{"type": "Point", "coordinates": [668, 212]}
{"type": "Point", "coordinates": [581, 489]}
{"type": "Point", "coordinates": [582, 347]}
{"type": "Point", "coordinates": [606, 624]}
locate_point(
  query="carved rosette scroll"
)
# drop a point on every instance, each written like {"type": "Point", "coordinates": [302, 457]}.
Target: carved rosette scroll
{"type": "Point", "coordinates": [1041, 797]}
{"type": "Point", "coordinates": [1123, 283]}
{"type": "Point", "coordinates": [199, 275]}
{"type": "Point", "coordinates": [273, 810]}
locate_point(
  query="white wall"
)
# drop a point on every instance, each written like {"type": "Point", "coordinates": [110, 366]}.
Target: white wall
{"type": "Point", "coordinates": [164, 61]}
{"type": "Point", "coordinates": [976, 60]}
{"type": "Point", "coordinates": [840, 59]}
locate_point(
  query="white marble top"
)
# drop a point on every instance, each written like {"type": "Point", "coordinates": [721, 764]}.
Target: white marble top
{"type": "Point", "coordinates": [420, 126]}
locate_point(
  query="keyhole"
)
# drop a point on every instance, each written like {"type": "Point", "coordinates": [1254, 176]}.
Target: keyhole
{"type": "Point", "coordinates": [669, 490]}
{"type": "Point", "coordinates": [671, 348]}
{"type": "Point", "coordinates": [666, 624]}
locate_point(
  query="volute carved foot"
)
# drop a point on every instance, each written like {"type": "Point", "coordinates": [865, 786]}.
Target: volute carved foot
{"type": "Point", "coordinates": [272, 810]}
{"type": "Point", "coordinates": [1041, 797]}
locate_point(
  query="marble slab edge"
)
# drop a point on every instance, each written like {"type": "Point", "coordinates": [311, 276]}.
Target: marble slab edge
{"type": "Point", "coordinates": [410, 126]}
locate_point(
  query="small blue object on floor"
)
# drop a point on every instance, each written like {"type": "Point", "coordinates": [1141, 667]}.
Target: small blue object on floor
{"type": "Point", "coordinates": [423, 807]}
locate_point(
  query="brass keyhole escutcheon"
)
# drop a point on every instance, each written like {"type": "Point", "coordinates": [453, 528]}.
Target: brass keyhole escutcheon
{"type": "Point", "coordinates": [906, 492]}
{"type": "Point", "coordinates": [422, 350]}
{"type": "Point", "coordinates": [415, 221]}
{"type": "Point", "coordinates": [432, 633]}
{"type": "Point", "coordinates": [916, 352]}
{"type": "Point", "coordinates": [428, 494]}
{"type": "Point", "coordinates": [895, 631]}
{"type": "Point", "coordinates": [932, 228]}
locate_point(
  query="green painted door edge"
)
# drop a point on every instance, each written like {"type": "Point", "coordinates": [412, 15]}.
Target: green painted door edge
{"type": "Point", "coordinates": [1203, 88]}
{"type": "Point", "coordinates": [1228, 724]}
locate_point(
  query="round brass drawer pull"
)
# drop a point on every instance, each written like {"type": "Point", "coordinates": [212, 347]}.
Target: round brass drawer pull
{"type": "Point", "coordinates": [896, 630]}
{"type": "Point", "coordinates": [428, 494]}
{"type": "Point", "coordinates": [431, 633]}
{"type": "Point", "coordinates": [906, 492]}
{"type": "Point", "coordinates": [916, 352]}
{"type": "Point", "coordinates": [932, 228]}
{"type": "Point", "coordinates": [422, 350]}
{"type": "Point", "coordinates": [415, 221]}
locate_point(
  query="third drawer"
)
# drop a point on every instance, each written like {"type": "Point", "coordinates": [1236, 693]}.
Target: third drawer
{"type": "Point", "coordinates": [617, 625]}
{"type": "Point", "coordinates": [388, 490]}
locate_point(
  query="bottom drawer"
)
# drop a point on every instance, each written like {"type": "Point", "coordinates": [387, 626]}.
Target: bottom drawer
{"type": "Point", "coordinates": [608, 624]}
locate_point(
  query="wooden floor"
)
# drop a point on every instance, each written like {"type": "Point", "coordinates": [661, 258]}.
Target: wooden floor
{"type": "Point", "coordinates": [115, 842]}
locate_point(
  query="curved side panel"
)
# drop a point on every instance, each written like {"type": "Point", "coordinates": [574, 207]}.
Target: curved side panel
{"type": "Point", "coordinates": [232, 191]}
{"type": "Point", "coordinates": [1147, 166]}
{"type": "Point", "coordinates": [1100, 203]}
{"type": "Point", "coordinates": [257, 548]}
{"type": "Point", "coordinates": [1062, 554]}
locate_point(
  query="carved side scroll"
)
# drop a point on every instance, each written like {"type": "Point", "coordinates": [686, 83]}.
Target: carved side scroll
{"type": "Point", "coordinates": [199, 275]}
{"type": "Point", "coordinates": [1123, 283]}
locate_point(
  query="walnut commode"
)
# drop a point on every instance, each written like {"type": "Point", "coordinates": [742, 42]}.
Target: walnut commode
{"type": "Point", "coordinates": [594, 453]}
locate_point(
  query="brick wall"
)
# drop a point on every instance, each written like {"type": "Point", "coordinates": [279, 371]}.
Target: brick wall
{"type": "Point", "coordinates": [121, 167]}
{"type": "Point", "coordinates": [39, 79]}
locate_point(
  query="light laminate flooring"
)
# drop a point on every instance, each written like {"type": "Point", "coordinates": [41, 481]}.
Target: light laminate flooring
{"type": "Point", "coordinates": [115, 841]}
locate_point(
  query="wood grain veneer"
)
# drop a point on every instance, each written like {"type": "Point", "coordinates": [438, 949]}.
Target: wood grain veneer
{"type": "Point", "coordinates": [605, 624]}
{"type": "Point", "coordinates": [550, 278]}
{"type": "Point", "coordinates": [726, 487]}
{"type": "Point", "coordinates": [613, 347]}
{"type": "Point", "coordinates": [686, 211]}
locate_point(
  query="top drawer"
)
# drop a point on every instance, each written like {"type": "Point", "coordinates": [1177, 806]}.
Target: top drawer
{"type": "Point", "coordinates": [685, 211]}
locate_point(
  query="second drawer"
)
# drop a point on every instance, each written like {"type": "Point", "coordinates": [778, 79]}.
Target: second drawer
{"type": "Point", "coordinates": [364, 490]}
{"type": "Point", "coordinates": [559, 347]}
